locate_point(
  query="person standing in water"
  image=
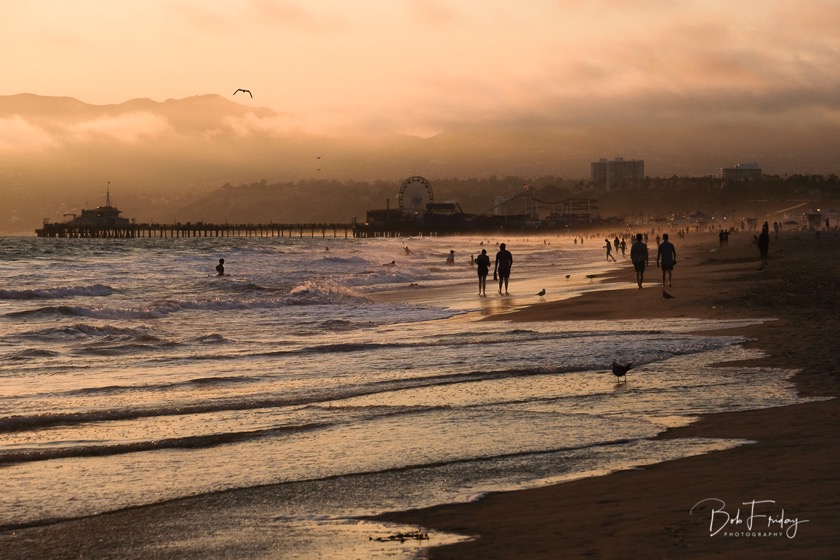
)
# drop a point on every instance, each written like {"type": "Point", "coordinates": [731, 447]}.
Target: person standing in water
{"type": "Point", "coordinates": [483, 264]}
{"type": "Point", "coordinates": [220, 268]}
{"type": "Point", "coordinates": [501, 272]}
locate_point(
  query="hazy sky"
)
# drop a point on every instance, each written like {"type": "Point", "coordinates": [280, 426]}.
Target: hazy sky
{"type": "Point", "coordinates": [421, 65]}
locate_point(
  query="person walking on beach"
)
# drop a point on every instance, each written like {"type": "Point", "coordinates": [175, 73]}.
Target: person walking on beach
{"type": "Point", "coordinates": [639, 257]}
{"type": "Point", "coordinates": [608, 246]}
{"type": "Point", "coordinates": [220, 268]}
{"type": "Point", "coordinates": [764, 244]}
{"type": "Point", "coordinates": [501, 272]}
{"type": "Point", "coordinates": [666, 258]}
{"type": "Point", "coordinates": [483, 264]}
{"type": "Point", "coordinates": [450, 260]}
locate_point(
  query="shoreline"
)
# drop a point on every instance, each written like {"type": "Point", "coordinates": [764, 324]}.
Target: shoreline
{"type": "Point", "coordinates": [647, 512]}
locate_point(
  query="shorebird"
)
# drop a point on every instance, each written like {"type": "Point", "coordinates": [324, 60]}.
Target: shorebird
{"type": "Point", "coordinates": [541, 293]}
{"type": "Point", "coordinates": [248, 91]}
{"type": "Point", "coordinates": [591, 276]}
{"type": "Point", "coordinates": [621, 370]}
{"type": "Point", "coordinates": [568, 276]}
{"type": "Point", "coordinates": [666, 295]}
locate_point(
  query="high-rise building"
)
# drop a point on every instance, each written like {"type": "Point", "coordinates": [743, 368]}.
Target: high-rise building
{"type": "Point", "coordinates": [617, 174]}
{"type": "Point", "coordinates": [741, 172]}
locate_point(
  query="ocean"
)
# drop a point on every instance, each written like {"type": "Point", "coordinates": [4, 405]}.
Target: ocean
{"type": "Point", "coordinates": [347, 377]}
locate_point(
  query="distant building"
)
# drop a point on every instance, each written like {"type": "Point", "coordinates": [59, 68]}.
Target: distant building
{"type": "Point", "coordinates": [579, 206]}
{"type": "Point", "coordinates": [741, 172]}
{"type": "Point", "coordinates": [617, 174]}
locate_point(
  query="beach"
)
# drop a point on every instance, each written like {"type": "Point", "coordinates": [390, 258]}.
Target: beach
{"type": "Point", "coordinates": [647, 512]}
{"type": "Point", "coordinates": [661, 510]}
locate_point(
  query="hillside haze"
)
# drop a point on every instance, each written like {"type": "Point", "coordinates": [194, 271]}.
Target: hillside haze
{"type": "Point", "coordinates": [162, 159]}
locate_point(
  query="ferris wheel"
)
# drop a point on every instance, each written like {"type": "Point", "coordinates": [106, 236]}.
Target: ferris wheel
{"type": "Point", "coordinates": [415, 193]}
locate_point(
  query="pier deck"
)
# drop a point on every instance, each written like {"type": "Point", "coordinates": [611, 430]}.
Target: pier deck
{"type": "Point", "coordinates": [198, 229]}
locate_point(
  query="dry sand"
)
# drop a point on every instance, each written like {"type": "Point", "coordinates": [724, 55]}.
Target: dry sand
{"type": "Point", "coordinates": [645, 513]}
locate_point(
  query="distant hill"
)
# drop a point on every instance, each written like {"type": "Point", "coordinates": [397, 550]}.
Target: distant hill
{"type": "Point", "coordinates": [162, 158]}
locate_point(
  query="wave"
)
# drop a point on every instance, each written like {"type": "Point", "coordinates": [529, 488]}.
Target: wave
{"type": "Point", "coordinates": [81, 330]}
{"type": "Point", "coordinates": [96, 290]}
{"type": "Point", "coordinates": [20, 423]}
{"type": "Point", "coordinates": [155, 312]}
{"type": "Point", "coordinates": [32, 353]}
{"type": "Point", "coordinates": [338, 325]}
{"type": "Point", "coordinates": [122, 389]}
{"type": "Point", "coordinates": [153, 344]}
{"type": "Point", "coordinates": [307, 294]}
{"type": "Point", "coordinates": [213, 338]}
{"type": "Point", "coordinates": [189, 442]}
{"type": "Point", "coordinates": [323, 291]}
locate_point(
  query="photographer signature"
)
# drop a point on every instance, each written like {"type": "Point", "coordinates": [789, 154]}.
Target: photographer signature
{"type": "Point", "coordinates": [756, 511]}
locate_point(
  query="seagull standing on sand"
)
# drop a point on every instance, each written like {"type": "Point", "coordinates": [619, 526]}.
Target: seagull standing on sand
{"type": "Point", "coordinates": [620, 370]}
{"type": "Point", "coordinates": [541, 293]}
{"type": "Point", "coordinates": [248, 91]}
{"type": "Point", "coordinates": [666, 295]}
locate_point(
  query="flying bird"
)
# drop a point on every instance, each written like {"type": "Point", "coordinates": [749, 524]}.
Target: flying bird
{"type": "Point", "coordinates": [666, 295]}
{"type": "Point", "coordinates": [620, 370]}
{"type": "Point", "coordinates": [248, 91]}
{"type": "Point", "coordinates": [541, 293]}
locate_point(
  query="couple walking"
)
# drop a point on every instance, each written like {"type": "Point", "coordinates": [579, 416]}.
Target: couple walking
{"type": "Point", "coordinates": [666, 258]}
{"type": "Point", "coordinates": [501, 272]}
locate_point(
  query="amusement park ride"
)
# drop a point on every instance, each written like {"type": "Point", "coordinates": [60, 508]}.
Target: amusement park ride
{"type": "Point", "coordinates": [415, 194]}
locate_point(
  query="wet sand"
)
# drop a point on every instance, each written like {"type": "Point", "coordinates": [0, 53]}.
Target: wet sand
{"type": "Point", "coordinates": [647, 513]}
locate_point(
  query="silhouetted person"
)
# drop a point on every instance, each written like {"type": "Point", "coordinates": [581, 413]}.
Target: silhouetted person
{"type": "Point", "coordinates": [504, 262]}
{"type": "Point", "coordinates": [764, 243]}
{"type": "Point", "coordinates": [220, 268]}
{"type": "Point", "coordinates": [639, 257]}
{"type": "Point", "coordinates": [666, 258]}
{"type": "Point", "coordinates": [483, 263]}
{"type": "Point", "coordinates": [608, 246]}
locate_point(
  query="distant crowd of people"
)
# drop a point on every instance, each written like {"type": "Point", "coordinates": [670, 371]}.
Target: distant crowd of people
{"type": "Point", "coordinates": [666, 256]}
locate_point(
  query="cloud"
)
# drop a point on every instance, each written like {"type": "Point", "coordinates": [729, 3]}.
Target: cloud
{"type": "Point", "coordinates": [126, 128]}
{"type": "Point", "coordinates": [19, 136]}
{"type": "Point", "coordinates": [250, 124]}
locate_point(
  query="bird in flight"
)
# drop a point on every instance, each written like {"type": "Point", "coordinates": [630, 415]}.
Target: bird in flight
{"type": "Point", "coordinates": [620, 370]}
{"type": "Point", "coordinates": [666, 295]}
{"type": "Point", "coordinates": [541, 293]}
{"type": "Point", "coordinates": [248, 91]}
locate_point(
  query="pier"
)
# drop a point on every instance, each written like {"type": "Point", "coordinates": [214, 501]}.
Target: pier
{"type": "Point", "coordinates": [198, 229]}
